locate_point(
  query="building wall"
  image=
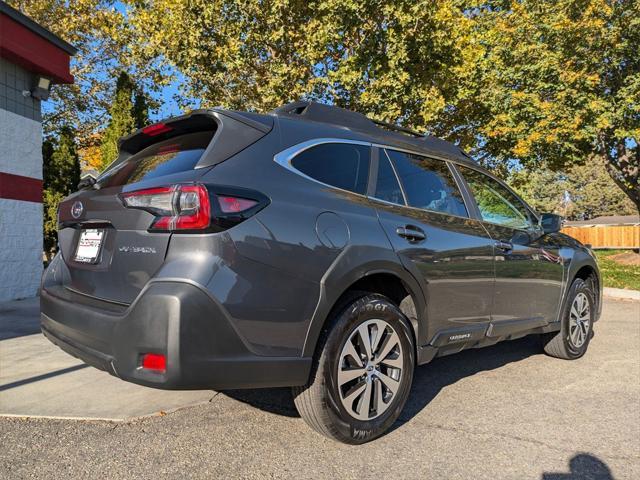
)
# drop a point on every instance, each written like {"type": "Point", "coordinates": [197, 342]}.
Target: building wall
{"type": "Point", "coordinates": [20, 154]}
{"type": "Point", "coordinates": [13, 81]}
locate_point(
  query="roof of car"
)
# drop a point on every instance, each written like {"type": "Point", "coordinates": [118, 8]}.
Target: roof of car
{"type": "Point", "coordinates": [335, 121]}
{"type": "Point", "coordinates": [378, 132]}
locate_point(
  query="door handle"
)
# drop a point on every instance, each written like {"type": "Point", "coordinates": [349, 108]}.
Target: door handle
{"type": "Point", "coordinates": [412, 233]}
{"type": "Point", "coordinates": [504, 246]}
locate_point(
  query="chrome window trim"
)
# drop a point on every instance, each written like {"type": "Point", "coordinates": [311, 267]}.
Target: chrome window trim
{"type": "Point", "coordinates": [285, 157]}
{"type": "Point", "coordinates": [423, 210]}
{"type": "Point", "coordinates": [414, 152]}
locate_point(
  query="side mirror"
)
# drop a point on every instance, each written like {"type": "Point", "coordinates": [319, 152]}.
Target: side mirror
{"type": "Point", "coordinates": [87, 181]}
{"type": "Point", "coordinates": [550, 222]}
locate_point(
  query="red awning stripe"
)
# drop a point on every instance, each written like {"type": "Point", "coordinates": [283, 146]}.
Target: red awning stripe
{"type": "Point", "coordinates": [29, 50]}
{"type": "Point", "coordinates": [17, 187]}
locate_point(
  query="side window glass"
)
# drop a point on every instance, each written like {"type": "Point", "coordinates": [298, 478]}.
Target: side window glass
{"type": "Point", "coordinates": [428, 183]}
{"type": "Point", "coordinates": [497, 204]}
{"type": "Point", "coordinates": [387, 186]}
{"type": "Point", "coordinates": [341, 165]}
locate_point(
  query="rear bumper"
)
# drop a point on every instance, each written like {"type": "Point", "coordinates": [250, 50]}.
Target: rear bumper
{"type": "Point", "coordinates": [177, 319]}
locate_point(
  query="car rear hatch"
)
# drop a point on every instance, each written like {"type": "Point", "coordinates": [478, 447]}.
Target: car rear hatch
{"type": "Point", "coordinates": [111, 245]}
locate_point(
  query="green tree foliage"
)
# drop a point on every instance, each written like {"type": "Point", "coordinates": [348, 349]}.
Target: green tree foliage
{"type": "Point", "coordinates": [559, 83]}
{"type": "Point", "coordinates": [127, 112]}
{"type": "Point", "coordinates": [61, 174]}
{"type": "Point", "coordinates": [140, 110]}
{"type": "Point", "coordinates": [553, 82]}
{"type": "Point", "coordinates": [400, 60]}
{"type": "Point", "coordinates": [593, 193]}
{"type": "Point", "coordinates": [545, 190]}
{"type": "Point", "coordinates": [583, 192]}
{"type": "Point", "coordinates": [61, 168]}
{"type": "Point", "coordinates": [51, 199]}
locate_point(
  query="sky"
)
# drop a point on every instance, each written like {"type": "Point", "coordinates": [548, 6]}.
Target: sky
{"type": "Point", "coordinates": [169, 107]}
{"type": "Point", "coordinates": [166, 97]}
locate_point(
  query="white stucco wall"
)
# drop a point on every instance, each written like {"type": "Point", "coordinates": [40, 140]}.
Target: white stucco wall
{"type": "Point", "coordinates": [20, 249]}
{"type": "Point", "coordinates": [20, 145]}
{"type": "Point", "coordinates": [20, 221]}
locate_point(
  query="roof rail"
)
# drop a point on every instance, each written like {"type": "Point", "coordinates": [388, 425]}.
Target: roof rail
{"type": "Point", "coordinates": [398, 128]}
{"type": "Point", "coordinates": [320, 112]}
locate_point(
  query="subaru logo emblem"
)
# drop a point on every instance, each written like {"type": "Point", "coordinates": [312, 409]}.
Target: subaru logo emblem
{"type": "Point", "coordinates": [76, 209]}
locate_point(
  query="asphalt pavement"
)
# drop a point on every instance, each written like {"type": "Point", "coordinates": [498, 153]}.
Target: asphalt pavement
{"type": "Point", "coordinates": [506, 411]}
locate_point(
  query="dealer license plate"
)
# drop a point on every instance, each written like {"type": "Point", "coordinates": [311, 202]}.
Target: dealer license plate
{"type": "Point", "coordinates": [89, 245]}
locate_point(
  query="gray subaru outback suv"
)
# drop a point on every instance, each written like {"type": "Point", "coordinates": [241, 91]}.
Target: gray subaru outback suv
{"type": "Point", "coordinates": [313, 248]}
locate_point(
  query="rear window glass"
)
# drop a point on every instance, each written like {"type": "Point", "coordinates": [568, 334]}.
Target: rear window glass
{"type": "Point", "coordinates": [170, 156]}
{"type": "Point", "coordinates": [387, 186]}
{"type": "Point", "coordinates": [341, 165]}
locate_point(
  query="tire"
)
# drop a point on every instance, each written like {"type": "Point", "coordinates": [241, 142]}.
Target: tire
{"type": "Point", "coordinates": [564, 343]}
{"type": "Point", "coordinates": [339, 407]}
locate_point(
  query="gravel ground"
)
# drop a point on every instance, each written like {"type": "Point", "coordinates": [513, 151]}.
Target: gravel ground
{"type": "Point", "coordinates": [502, 412]}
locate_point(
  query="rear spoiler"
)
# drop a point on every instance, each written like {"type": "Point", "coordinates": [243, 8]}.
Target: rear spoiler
{"type": "Point", "coordinates": [234, 131]}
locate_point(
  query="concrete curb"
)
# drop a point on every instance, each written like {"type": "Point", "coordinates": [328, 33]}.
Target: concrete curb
{"type": "Point", "coordinates": [622, 294]}
{"type": "Point", "coordinates": [130, 419]}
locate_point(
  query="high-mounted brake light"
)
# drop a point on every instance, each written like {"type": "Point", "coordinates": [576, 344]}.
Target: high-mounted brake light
{"type": "Point", "coordinates": [179, 207]}
{"type": "Point", "coordinates": [156, 129]}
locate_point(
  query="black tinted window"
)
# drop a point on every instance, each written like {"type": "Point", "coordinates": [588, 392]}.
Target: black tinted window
{"type": "Point", "coordinates": [428, 183]}
{"type": "Point", "coordinates": [174, 155]}
{"type": "Point", "coordinates": [387, 186]}
{"type": "Point", "coordinates": [497, 204]}
{"type": "Point", "coordinates": [341, 165]}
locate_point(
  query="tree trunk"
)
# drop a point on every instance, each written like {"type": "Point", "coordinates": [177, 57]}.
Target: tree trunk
{"type": "Point", "coordinates": [623, 166]}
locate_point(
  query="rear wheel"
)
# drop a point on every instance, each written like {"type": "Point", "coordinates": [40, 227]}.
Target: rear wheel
{"type": "Point", "coordinates": [576, 328]}
{"type": "Point", "coordinates": [362, 372]}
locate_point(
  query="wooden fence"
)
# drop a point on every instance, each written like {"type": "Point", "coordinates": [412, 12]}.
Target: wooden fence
{"type": "Point", "coordinates": [607, 236]}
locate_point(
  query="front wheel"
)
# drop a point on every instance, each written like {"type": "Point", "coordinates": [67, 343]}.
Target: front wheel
{"type": "Point", "coordinates": [576, 328]}
{"type": "Point", "coordinates": [362, 372]}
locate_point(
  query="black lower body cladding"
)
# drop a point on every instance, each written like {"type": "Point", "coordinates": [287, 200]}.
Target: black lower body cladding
{"type": "Point", "coordinates": [175, 319]}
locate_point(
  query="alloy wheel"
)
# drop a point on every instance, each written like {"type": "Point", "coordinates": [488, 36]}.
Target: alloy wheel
{"type": "Point", "coordinates": [579, 320]}
{"type": "Point", "coordinates": [370, 369]}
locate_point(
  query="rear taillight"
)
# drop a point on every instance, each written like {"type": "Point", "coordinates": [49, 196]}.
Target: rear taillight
{"type": "Point", "coordinates": [192, 207]}
{"type": "Point", "coordinates": [179, 207]}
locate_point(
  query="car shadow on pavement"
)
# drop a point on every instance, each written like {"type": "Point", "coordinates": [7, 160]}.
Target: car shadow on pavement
{"type": "Point", "coordinates": [272, 400]}
{"type": "Point", "coordinates": [44, 376]}
{"type": "Point", "coordinates": [428, 381]}
{"type": "Point", "coordinates": [581, 466]}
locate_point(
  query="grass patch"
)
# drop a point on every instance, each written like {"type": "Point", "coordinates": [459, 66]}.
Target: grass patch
{"type": "Point", "coordinates": [616, 275]}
